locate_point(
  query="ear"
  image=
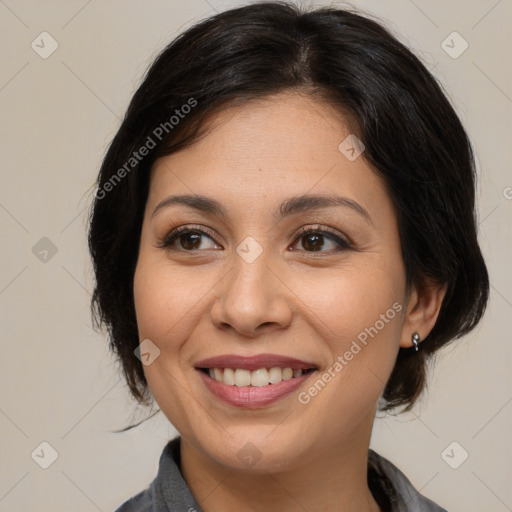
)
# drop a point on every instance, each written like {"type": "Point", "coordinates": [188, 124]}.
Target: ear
{"type": "Point", "coordinates": [422, 310]}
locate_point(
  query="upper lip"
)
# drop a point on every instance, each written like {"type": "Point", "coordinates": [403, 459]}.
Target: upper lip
{"type": "Point", "coordinates": [252, 363]}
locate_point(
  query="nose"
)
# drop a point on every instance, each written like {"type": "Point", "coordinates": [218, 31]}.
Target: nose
{"type": "Point", "coordinates": [252, 299]}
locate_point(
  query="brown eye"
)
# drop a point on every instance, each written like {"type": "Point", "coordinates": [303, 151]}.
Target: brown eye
{"type": "Point", "coordinates": [188, 240]}
{"type": "Point", "coordinates": [321, 240]}
{"type": "Point", "coordinates": [312, 242]}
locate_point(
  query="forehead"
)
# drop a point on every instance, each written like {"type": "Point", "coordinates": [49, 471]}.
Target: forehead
{"type": "Point", "coordinates": [266, 151]}
{"type": "Point", "coordinates": [278, 128]}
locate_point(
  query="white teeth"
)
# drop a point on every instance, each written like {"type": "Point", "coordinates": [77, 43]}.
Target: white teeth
{"type": "Point", "coordinates": [228, 377]}
{"type": "Point", "coordinates": [242, 377]}
{"type": "Point", "coordinates": [275, 375]}
{"type": "Point", "coordinates": [258, 378]}
{"type": "Point", "coordinates": [287, 374]}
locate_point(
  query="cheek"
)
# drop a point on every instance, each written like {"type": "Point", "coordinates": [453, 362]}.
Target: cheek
{"type": "Point", "coordinates": [165, 298]}
{"type": "Point", "coordinates": [358, 318]}
{"type": "Point", "coordinates": [351, 299]}
{"type": "Point", "coordinates": [150, 301]}
{"type": "Point", "coordinates": [357, 313]}
{"type": "Point", "coordinates": [163, 304]}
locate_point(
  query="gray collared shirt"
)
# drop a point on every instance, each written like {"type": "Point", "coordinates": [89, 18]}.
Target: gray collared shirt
{"type": "Point", "coordinates": [169, 492]}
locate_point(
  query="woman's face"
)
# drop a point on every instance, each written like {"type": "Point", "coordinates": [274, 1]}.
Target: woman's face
{"type": "Point", "coordinates": [245, 285]}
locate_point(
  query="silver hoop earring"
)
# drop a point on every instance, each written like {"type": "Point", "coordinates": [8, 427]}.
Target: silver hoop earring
{"type": "Point", "coordinates": [416, 340]}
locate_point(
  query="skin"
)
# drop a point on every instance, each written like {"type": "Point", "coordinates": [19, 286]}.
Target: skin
{"type": "Point", "coordinates": [301, 303]}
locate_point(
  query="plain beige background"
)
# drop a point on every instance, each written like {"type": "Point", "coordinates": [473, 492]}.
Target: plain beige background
{"type": "Point", "coordinates": [59, 383]}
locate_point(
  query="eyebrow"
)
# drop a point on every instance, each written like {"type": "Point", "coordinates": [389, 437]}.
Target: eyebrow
{"type": "Point", "coordinates": [290, 206]}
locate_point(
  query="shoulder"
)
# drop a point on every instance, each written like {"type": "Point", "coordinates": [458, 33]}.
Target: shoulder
{"type": "Point", "coordinates": [168, 492]}
{"type": "Point", "coordinates": [147, 500]}
{"type": "Point", "coordinates": [404, 497]}
{"type": "Point", "coordinates": [142, 502]}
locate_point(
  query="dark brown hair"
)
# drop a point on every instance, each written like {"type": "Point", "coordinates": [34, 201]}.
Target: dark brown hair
{"type": "Point", "coordinates": [413, 138]}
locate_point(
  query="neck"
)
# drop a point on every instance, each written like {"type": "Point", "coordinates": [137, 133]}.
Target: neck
{"type": "Point", "coordinates": [332, 480]}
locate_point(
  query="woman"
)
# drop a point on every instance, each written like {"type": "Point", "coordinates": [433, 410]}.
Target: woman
{"type": "Point", "coordinates": [283, 235]}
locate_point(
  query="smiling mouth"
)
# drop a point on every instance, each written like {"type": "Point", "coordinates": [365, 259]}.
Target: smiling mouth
{"type": "Point", "coordinates": [260, 377]}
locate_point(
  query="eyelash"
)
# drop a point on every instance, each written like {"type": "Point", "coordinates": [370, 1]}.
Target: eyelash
{"type": "Point", "coordinates": [168, 240]}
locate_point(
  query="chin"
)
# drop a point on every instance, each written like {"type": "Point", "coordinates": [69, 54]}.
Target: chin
{"type": "Point", "coordinates": [255, 450]}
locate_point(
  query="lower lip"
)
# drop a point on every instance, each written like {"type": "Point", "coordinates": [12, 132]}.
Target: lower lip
{"type": "Point", "coordinates": [252, 397]}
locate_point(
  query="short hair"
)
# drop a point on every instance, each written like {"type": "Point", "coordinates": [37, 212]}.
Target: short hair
{"type": "Point", "coordinates": [413, 140]}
